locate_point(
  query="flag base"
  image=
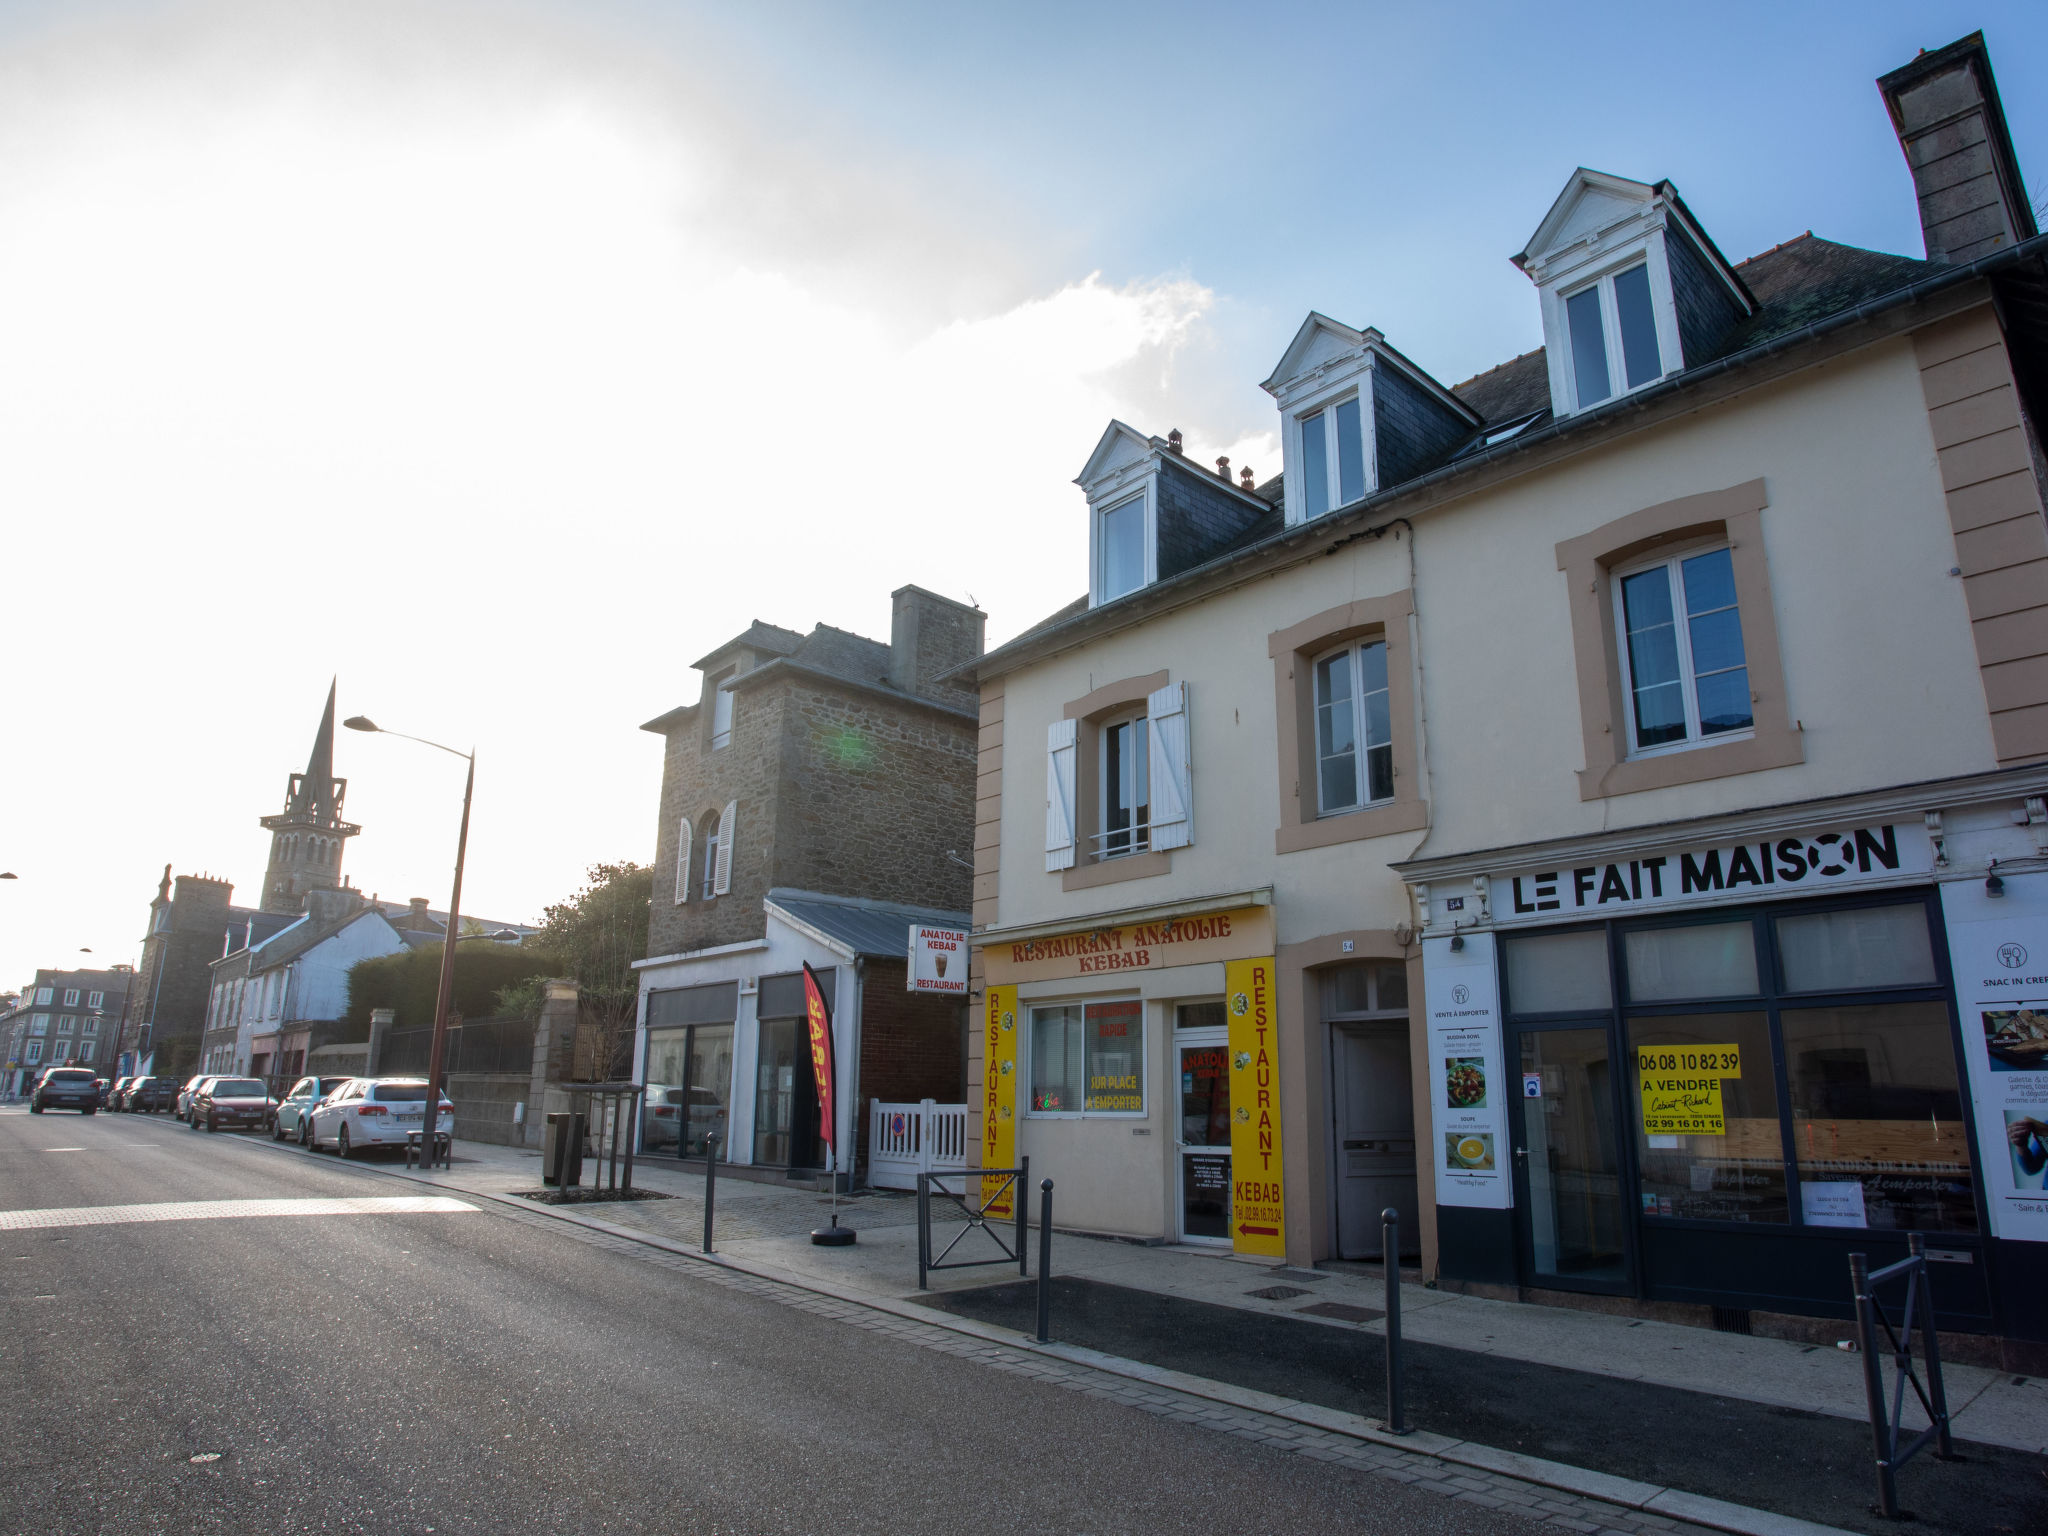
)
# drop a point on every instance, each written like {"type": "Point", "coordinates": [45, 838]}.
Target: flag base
{"type": "Point", "coordinates": [834, 1236]}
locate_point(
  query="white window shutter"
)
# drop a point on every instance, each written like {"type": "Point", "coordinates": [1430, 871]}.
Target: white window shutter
{"type": "Point", "coordinates": [1173, 800]}
{"type": "Point", "coordinates": [683, 840]}
{"type": "Point", "coordinates": [1059, 796]}
{"type": "Point", "coordinates": [727, 826]}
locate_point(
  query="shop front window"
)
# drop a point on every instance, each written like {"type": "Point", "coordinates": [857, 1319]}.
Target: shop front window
{"type": "Point", "coordinates": [689, 1081]}
{"type": "Point", "coordinates": [1708, 1139]}
{"type": "Point", "coordinates": [1088, 1059]}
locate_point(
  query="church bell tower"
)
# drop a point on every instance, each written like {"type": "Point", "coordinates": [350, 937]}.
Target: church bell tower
{"type": "Point", "coordinates": [307, 837]}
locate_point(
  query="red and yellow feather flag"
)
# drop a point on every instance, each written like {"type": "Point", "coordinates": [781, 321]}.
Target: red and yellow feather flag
{"type": "Point", "coordinates": [818, 1015]}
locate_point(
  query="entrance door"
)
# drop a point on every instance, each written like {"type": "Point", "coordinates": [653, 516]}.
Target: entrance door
{"type": "Point", "coordinates": [1374, 1110]}
{"type": "Point", "coordinates": [1568, 1205]}
{"type": "Point", "coordinates": [1203, 1152]}
{"type": "Point", "coordinates": [786, 1098]}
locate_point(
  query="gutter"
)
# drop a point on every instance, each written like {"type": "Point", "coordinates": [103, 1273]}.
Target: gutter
{"type": "Point", "coordinates": [1606, 415]}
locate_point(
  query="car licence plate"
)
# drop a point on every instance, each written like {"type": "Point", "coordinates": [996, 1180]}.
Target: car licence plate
{"type": "Point", "coordinates": [410, 1114]}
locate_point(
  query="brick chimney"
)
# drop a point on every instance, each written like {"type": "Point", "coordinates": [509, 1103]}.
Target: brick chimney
{"type": "Point", "coordinates": [1945, 108]}
{"type": "Point", "coordinates": [929, 636]}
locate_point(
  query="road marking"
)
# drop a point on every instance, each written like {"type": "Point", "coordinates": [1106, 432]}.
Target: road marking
{"type": "Point", "coordinates": [63, 1149]}
{"type": "Point", "coordinates": [218, 1210]}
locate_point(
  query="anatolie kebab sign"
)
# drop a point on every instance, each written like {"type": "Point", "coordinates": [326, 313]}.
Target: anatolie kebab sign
{"type": "Point", "coordinates": [938, 959]}
{"type": "Point", "coordinates": [1811, 863]}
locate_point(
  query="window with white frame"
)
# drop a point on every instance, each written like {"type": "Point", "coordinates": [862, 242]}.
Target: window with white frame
{"type": "Point", "coordinates": [88, 1049]}
{"type": "Point", "coordinates": [1126, 788]}
{"type": "Point", "coordinates": [91, 1025]}
{"type": "Point", "coordinates": [683, 841]}
{"type": "Point", "coordinates": [96, 1000]}
{"type": "Point", "coordinates": [1332, 457]}
{"type": "Point", "coordinates": [1354, 729]}
{"type": "Point", "coordinates": [711, 840]}
{"type": "Point", "coordinates": [1685, 676]}
{"type": "Point", "coordinates": [34, 1053]}
{"type": "Point", "coordinates": [719, 834]}
{"type": "Point", "coordinates": [39, 1024]}
{"type": "Point", "coordinates": [721, 717]}
{"type": "Point", "coordinates": [1088, 1059]}
{"type": "Point", "coordinates": [1120, 548]}
{"type": "Point", "coordinates": [67, 1023]}
{"type": "Point", "coordinates": [46, 995]}
{"type": "Point", "coordinates": [1613, 328]}
{"type": "Point", "coordinates": [71, 997]}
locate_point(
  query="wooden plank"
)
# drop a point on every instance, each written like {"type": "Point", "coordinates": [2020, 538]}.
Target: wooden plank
{"type": "Point", "coordinates": [1988, 457]}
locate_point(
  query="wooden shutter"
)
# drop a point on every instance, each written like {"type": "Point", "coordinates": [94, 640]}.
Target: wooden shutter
{"type": "Point", "coordinates": [1173, 800]}
{"type": "Point", "coordinates": [727, 825]}
{"type": "Point", "coordinates": [1059, 795]}
{"type": "Point", "coordinates": [683, 840]}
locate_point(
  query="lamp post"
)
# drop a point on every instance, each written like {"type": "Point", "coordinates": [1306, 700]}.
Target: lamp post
{"type": "Point", "coordinates": [444, 994]}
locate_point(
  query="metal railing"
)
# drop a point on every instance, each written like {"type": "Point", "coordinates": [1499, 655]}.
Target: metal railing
{"type": "Point", "coordinates": [996, 1183]}
{"type": "Point", "coordinates": [1916, 1312]}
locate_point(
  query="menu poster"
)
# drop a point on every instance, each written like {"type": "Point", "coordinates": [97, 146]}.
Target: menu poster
{"type": "Point", "coordinates": [1998, 948]}
{"type": "Point", "coordinates": [1468, 1099]}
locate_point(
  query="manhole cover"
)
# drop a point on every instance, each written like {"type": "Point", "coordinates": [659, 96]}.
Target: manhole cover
{"type": "Point", "coordinates": [1342, 1312]}
{"type": "Point", "coordinates": [1278, 1293]}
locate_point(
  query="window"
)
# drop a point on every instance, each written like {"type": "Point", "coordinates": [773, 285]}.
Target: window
{"type": "Point", "coordinates": [1120, 557]}
{"type": "Point", "coordinates": [719, 832]}
{"type": "Point", "coordinates": [67, 1023]}
{"type": "Point", "coordinates": [1332, 456]}
{"type": "Point", "coordinates": [86, 1050]}
{"type": "Point", "coordinates": [1613, 330]}
{"type": "Point", "coordinates": [39, 1024]}
{"type": "Point", "coordinates": [96, 1000]}
{"type": "Point", "coordinates": [71, 997]}
{"type": "Point", "coordinates": [45, 995]}
{"type": "Point", "coordinates": [710, 859]}
{"type": "Point", "coordinates": [1685, 676]}
{"type": "Point", "coordinates": [1559, 972]}
{"type": "Point", "coordinates": [1354, 732]}
{"type": "Point", "coordinates": [721, 717]}
{"type": "Point", "coordinates": [1126, 789]}
{"type": "Point", "coordinates": [1088, 1059]}
{"type": "Point", "coordinates": [683, 839]}
{"type": "Point", "coordinates": [92, 1025]}
{"type": "Point", "coordinates": [34, 1053]}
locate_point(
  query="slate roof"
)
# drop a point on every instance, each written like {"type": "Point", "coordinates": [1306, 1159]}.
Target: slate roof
{"type": "Point", "coordinates": [865, 927]}
{"type": "Point", "coordinates": [772, 638]}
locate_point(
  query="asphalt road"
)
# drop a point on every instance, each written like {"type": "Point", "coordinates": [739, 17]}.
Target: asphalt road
{"type": "Point", "coordinates": [456, 1372]}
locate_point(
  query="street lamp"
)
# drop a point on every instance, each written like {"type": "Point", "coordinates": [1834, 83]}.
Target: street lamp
{"type": "Point", "coordinates": [445, 992]}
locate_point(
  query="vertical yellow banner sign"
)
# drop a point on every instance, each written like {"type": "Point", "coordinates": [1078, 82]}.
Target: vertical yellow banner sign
{"type": "Point", "coordinates": [1258, 1221]}
{"type": "Point", "coordinates": [999, 1088]}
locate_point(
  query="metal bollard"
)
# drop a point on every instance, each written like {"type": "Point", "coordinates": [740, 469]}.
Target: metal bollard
{"type": "Point", "coordinates": [1021, 1193]}
{"type": "Point", "coordinates": [1390, 1260]}
{"type": "Point", "coordinates": [1045, 1261]}
{"type": "Point", "coordinates": [924, 1229]}
{"type": "Point", "coordinates": [710, 1182]}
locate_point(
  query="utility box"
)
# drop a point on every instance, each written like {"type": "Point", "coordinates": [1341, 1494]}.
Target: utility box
{"type": "Point", "coordinates": [561, 1152]}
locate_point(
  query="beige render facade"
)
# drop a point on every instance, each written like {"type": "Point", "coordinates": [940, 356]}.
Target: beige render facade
{"type": "Point", "coordinates": [1872, 479]}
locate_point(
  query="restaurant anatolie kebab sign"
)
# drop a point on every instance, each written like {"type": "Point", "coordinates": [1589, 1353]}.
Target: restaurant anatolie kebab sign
{"type": "Point", "coordinates": [1119, 949]}
{"type": "Point", "coordinates": [1258, 1202]}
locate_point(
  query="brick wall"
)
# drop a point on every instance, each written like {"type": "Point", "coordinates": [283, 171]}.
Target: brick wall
{"type": "Point", "coordinates": [911, 1047]}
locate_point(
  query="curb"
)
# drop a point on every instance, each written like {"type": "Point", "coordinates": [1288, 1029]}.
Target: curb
{"type": "Point", "coordinates": [1674, 1503]}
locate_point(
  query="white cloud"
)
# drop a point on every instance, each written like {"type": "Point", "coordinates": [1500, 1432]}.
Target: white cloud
{"type": "Point", "coordinates": [501, 371]}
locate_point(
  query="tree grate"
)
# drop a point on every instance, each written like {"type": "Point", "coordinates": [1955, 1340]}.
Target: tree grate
{"type": "Point", "coordinates": [1279, 1293]}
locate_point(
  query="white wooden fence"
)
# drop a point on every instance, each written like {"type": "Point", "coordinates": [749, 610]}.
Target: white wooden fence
{"type": "Point", "coordinates": [905, 1140]}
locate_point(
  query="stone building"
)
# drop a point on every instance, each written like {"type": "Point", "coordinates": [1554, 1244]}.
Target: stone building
{"type": "Point", "coordinates": [192, 922]}
{"type": "Point", "coordinates": [308, 837]}
{"type": "Point", "coordinates": [816, 801]}
{"type": "Point", "coordinates": [62, 1016]}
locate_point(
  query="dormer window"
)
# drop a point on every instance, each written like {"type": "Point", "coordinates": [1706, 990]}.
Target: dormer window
{"type": "Point", "coordinates": [1614, 336]}
{"type": "Point", "coordinates": [721, 717]}
{"type": "Point", "coordinates": [1332, 457]}
{"type": "Point", "coordinates": [1120, 548]}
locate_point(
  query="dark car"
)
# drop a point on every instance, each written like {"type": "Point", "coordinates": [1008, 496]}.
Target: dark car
{"type": "Point", "coordinates": [103, 1086]}
{"type": "Point", "coordinates": [66, 1088]}
{"type": "Point", "coordinates": [147, 1095]}
{"type": "Point", "coordinates": [232, 1103]}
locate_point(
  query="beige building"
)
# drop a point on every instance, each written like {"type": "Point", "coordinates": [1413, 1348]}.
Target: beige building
{"type": "Point", "coordinates": [1613, 772]}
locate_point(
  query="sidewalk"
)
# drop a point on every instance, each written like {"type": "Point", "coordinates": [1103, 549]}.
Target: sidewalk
{"type": "Point", "coordinates": [770, 1226]}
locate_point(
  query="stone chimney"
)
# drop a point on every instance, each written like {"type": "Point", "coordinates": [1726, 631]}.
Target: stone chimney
{"type": "Point", "coordinates": [417, 921]}
{"type": "Point", "coordinates": [381, 1020]}
{"type": "Point", "coordinates": [333, 903]}
{"type": "Point", "coordinates": [1945, 107]}
{"type": "Point", "coordinates": [930, 636]}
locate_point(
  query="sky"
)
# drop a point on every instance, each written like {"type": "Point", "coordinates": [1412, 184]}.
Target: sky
{"type": "Point", "coordinates": [498, 360]}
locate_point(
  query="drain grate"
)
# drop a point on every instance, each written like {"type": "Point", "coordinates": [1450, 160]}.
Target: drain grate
{"type": "Point", "coordinates": [1731, 1320]}
{"type": "Point", "coordinates": [1342, 1312]}
{"type": "Point", "coordinates": [1279, 1293]}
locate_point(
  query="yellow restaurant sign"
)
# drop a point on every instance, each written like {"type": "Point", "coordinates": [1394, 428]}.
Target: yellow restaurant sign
{"type": "Point", "coordinates": [999, 1091]}
{"type": "Point", "coordinates": [1235, 935]}
{"type": "Point", "coordinates": [1258, 1216]}
{"type": "Point", "coordinates": [1681, 1087]}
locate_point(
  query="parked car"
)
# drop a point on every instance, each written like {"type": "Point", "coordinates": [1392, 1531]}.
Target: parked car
{"type": "Point", "coordinates": [66, 1088]}
{"type": "Point", "coordinates": [110, 1094]}
{"type": "Point", "coordinates": [374, 1112]}
{"type": "Point", "coordinates": [293, 1120]}
{"type": "Point", "coordinates": [232, 1104]}
{"type": "Point", "coordinates": [694, 1112]}
{"type": "Point", "coordinates": [147, 1095]}
{"type": "Point", "coordinates": [191, 1088]}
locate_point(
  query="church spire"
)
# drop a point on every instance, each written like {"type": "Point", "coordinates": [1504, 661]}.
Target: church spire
{"type": "Point", "coordinates": [308, 836]}
{"type": "Point", "coordinates": [315, 791]}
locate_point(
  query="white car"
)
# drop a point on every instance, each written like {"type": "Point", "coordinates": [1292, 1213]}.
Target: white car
{"type": "Point", "coordinates": [375, 1112]}
{"type": "Point", "coordinates": [293, 1121]}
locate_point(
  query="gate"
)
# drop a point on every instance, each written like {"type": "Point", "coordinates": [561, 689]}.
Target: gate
{"type": "Point", "coordinates": [905, 1140]}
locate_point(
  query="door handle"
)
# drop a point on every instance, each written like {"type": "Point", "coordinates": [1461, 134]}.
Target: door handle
{"type": "Point", "coordinates": [1522, 1152]}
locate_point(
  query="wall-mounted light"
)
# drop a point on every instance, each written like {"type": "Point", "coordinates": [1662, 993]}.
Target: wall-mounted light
{"type": "Point", "coordinates": [1457, 942]}
{"type": "Point", "coordinates": [1994, 883]}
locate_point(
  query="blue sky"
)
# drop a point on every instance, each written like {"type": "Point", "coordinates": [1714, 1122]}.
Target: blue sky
{"type": "Point", "coordinates": [348, 336]}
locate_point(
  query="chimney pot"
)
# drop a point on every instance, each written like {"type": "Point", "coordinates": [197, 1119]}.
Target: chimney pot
{"type": "Point", "coordinates": [1244, 477]}
{"type": "Point", "coordinates": [1223, 469]}
{"type": "Point", "coordinates": [1173, 441]}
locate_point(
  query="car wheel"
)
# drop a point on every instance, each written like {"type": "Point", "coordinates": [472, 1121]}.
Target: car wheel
{"type": "Point", "coordinates": [276, 1131]}
{"type": "Point", "coordinates": [341, 1144]}
{"type": "Point", "coordinates": [191, 1122]}
{"type": "Point", "coordinates": [90, 1110]}
{"type": "Point", "coordinates": [34, 1107]}
{"type": "Point", "coordinates": [212, 1126]}
{"type": "Point", "coordinates": [305, 1131]}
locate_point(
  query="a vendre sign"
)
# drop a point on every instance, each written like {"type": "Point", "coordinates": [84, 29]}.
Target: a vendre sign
{"type": "Point", "coordinates": [938, 959]}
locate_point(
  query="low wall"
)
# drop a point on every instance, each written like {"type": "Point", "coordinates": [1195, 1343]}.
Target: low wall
{"type": "Point", "coordinates": [483, 1106]}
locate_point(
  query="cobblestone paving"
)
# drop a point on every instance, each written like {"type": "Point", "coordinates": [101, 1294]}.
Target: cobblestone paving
{"type": "Point", "coordinates": [1551, 1506]}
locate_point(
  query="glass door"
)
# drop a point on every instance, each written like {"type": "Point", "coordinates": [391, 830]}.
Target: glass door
{"type": "Point", "coordinates": [1572, 1221]}
{"type": "Point", "coordinates": [1203, 1152]}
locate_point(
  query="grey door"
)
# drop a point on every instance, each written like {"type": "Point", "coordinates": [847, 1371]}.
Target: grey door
{"type": "Point", "coordinates": [1374, 1136]}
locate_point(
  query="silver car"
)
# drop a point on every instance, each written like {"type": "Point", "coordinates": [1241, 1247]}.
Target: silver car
{"type": "Point", "coordinates": [295, 1111]}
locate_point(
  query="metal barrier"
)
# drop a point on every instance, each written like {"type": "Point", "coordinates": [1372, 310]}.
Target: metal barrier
{"type": "Point", "coordinates": [1390, 1264]}
{"type": "Point", "coordinates": [1011, 1181]}
{"type": "Point", "coordinates": [1045, 1262]}
{"type": "Point", "coordinates": [1918, 1311]}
